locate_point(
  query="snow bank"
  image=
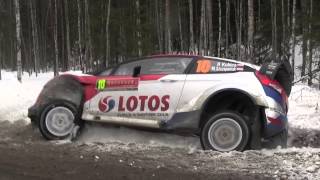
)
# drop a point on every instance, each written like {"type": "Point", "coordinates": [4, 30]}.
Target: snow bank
{"type": "Point", "coordinates": [304, 112]}
{"type": "Point", "coordinates": [16, 97]}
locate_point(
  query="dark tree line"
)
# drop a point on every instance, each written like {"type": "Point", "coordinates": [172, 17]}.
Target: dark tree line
{"type": "Point", "coordinates": [89, 35]}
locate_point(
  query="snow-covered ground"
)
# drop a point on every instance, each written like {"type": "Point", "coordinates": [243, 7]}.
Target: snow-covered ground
{"type": "Point", "coordinates": [16, 97]}
{"type": "Point", "coordinates": [291, 163]}
{"type": "Point", "coordinates": [304, 112]}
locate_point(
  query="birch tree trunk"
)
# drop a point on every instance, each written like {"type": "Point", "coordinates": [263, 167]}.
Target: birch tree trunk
{"type": "Point", "coordinates": [293, 35]}
{"type": "Point", "coordinates": [220, 24]}
{"type": "Point", "coordinates": [310, 48]}
{"type": "Point", "coordinates": [274, 29]}
{"type": "Point", "coordinates": [288, 15]}
{"type": "Point", "coordinates": [18, 45]}
{"type": "Point", "coordinates": [239, 28]}
{"type": "Point", "coordinates": [304, 51]}
{"type": "Point", "coordinates": [138, 23]}
{"type": "Point", "coordinates": [191, 48]}
{"type": "Point", "coordinates": [55, 32]}
{"type": "Point", "coordinates": [89, 49]}
{"type": "Point", "coordinates": [283, 19]}
{"type": "Point", "coordinates": [202, 28]}
{"type": "Point", "coordinates": [205, 30]}
{"type": "Point", "coordinates": [250, 30]}
{"type": "Point", "coordinates": [79, 35]}
{"type": "Point", "coordinates": [259, 15]}
{"type": "Point", "coordinates": [227, 28]}
{"type": "Point", "coordinates": [210, 26]}
{"type": "Point", "coordinates": [219, 35]}
{"type": "Point", "coordinates": [44, 37]}
{"type": "Point", "coordinates": [167, 26]}
{"type": "Point", "coordinates": [66, 12]}
{"type": "Point", "coordinates": [108, 35]}
{"type": "Point", "coordinates": [304, 39]}
{"type": "Point", "coordinates": [159, 26]}
{"type": "Point", "coordinates": [62, 35]}
{"type": "Point", "coordinates": [180, 27]}
{"type": "Point", "coordinates": [35, 37]}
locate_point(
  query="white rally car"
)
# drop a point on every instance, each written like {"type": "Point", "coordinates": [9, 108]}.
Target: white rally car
{"type": "Point", "coordinates": [229, 104]}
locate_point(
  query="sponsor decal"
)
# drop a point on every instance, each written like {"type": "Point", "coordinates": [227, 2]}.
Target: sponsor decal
{"type": "Point", "coordinates": [239, 67]}
{"type": "Point", "coordinates": [223, 67]}
{"type": "Point", "coordinates": [145, 115]}
{"type": "Point", "coordinates": [117, 84]}
{"type": "Point", "coordinates": [208, 66]}
{"type": "Point", "coordinates": [203, 66]}
{"type": "Point", "coordinates": [101, 84]}
{"type": "Point", "coordinates": [136, 103]}
{"type": "Point", "coordinates": [106, 104]}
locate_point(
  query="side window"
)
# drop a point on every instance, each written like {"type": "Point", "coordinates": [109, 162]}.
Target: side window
{"type": "Point", "coordinates": [161, 65]}
{"type": "Point", "coordinates": [105, 72]}
{"type": "Point", "coordinates": [165, 65]}
{"type": "Point", "coordinates": [209, 66]}
{"type": "Point", "coordinates": [126, 69]}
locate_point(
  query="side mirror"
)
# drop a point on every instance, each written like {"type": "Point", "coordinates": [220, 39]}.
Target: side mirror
{"type": "Point", "coordinates": [136, 71]}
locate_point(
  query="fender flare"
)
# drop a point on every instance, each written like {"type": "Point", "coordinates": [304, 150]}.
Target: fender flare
{"type": "Point", "coordinates": [224, 90]}
{"type": "Point", "coordinates": [63, 87]}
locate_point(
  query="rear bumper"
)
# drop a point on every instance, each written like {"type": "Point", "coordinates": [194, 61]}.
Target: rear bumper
{"type": "Point", "coordinates": [275, 113]}
{"type": "Point", "coordinates": [276, 122]}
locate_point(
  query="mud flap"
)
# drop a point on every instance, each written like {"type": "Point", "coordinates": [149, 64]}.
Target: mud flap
{"type": "Point", "coordinates": [281, 72]}
{"type": "Point", "coordinates": [255, 139]}
{"type": "Point", "coordinates": [75, 132]}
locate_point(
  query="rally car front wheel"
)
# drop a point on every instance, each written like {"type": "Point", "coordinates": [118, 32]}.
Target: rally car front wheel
{"type": "Point", "coordinates": [59, 120]}
{"type": "Point", "coordinates": [225, 131]}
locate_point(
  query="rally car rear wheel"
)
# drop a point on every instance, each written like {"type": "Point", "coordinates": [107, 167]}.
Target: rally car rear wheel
{"type": "Point", "coordinates": [226, 131]}
{"type": "Point", "coordinates": [58, 120]}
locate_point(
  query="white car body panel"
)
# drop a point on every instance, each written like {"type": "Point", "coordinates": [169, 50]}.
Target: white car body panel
{"type": "Point", "coordinates": [188, 94]}
{"type": "Point", "coordinates": [199, 87]}
{"type": "Point", "coordinates": [170, 85]}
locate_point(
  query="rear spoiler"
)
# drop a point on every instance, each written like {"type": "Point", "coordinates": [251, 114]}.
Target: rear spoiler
{"type": "Point", "coordinates": [281, 72]}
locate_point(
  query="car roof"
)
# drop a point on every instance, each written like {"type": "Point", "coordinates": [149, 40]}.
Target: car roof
{"type": "Point", "coordinates": [234, 61]}
{"type": "Point", "coordinates": [174, 55]}
{"type": "Point", "coordinates": [194, 56]}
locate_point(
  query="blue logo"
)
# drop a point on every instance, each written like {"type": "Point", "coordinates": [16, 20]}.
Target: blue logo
{"type": "Point", "coordinates": [106, 104]}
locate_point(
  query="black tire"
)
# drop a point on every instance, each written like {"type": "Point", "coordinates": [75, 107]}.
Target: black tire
{"type": "Point", "coordinates": [43, 125]}
{"type": "Point", "coordinates": [228, 125]}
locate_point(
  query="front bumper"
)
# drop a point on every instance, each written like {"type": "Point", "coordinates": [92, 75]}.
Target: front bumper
{"type": "Point", "coordinates": [33, 113]}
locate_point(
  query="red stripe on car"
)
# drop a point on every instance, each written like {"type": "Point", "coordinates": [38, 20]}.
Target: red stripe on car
{"type": "Point", "coordinates": [150, 77]}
